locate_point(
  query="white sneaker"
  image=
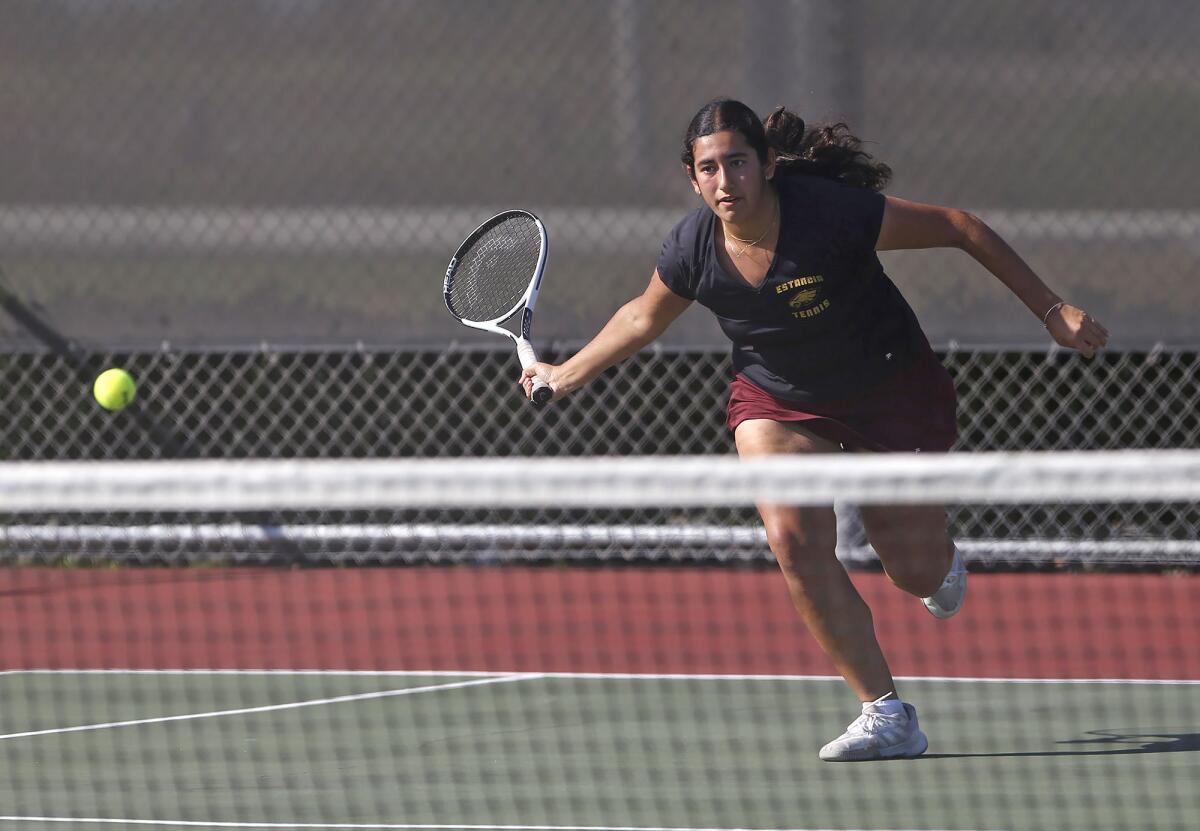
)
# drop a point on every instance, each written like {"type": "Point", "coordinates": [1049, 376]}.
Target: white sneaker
{"type": "Point", "coordinates": [878, 735]}
{"type": "Point", "coordinates": [948, 599]}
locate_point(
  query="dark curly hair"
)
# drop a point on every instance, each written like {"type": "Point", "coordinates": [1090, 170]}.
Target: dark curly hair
{"type": "Point", "coordinates": [830, 151]}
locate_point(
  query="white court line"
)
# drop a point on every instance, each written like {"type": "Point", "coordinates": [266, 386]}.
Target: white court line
{"type": "Point", "coordinates": [620, 676]}
{"type": "Point", "coordinates": [271, 707]}
{"type": "Point", "coordinates": [953, 679]}
{"type": "Point", "coordinates": [396, 827]}
{"type": "Point", "coordinates": [373, 673]}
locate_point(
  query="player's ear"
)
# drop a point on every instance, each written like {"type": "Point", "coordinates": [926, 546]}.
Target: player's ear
{"type": "Point", "coordinates": [691, 174]}
{"type": "Point", "coordinates": [769, 168]}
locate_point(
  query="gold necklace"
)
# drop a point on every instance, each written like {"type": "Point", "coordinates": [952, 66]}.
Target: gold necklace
{"type": "Point", "coordinates": [748, 244]}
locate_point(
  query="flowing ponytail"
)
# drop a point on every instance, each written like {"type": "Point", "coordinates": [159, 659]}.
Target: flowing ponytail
{"type": "Point", "coordinates": [829, 151]}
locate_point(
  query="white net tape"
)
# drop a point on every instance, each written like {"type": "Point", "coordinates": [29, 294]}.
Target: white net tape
{"type": "Point", "coordinates": [1002, 478]}
{"type": "Point", "coordinates": [1141, 506]}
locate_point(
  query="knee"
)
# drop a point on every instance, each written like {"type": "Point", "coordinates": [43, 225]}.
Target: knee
{"type": "Point", "coordinates": [916, 572]}
{"type": "Point", "coordinates": [802, 556]}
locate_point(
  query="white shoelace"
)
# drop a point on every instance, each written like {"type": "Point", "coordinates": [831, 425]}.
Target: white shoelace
{"type": "Point", "coordinates": [869, 723]}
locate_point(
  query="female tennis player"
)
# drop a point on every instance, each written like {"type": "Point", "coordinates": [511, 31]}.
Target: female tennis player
{"type": "Point", "coordinates": [828, 357]}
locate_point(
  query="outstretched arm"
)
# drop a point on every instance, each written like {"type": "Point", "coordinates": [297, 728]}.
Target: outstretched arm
{"type": "Point", "coordinates": [909, 225]}
{"type": "Point", "coordinates": [634, 325]}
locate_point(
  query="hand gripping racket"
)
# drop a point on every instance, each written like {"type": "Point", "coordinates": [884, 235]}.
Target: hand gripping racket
{"type": "Point", "coordinates": [495, 274]}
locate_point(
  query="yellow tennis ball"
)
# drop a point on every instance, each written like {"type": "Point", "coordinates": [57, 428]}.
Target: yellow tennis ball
{"type": "Point", "coordinates": [114, 389]}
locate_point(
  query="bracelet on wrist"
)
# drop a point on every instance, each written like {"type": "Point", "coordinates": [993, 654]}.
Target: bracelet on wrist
{"type": "Point", "coordinates": [1050, 311]}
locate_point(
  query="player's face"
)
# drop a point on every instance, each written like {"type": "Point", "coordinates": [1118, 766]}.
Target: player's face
{"type": "Point", "coordinates": [728, 175]}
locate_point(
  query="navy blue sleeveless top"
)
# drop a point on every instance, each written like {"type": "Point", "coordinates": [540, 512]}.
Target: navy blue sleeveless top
{"type": "Point", "coordinates": [826, 322]}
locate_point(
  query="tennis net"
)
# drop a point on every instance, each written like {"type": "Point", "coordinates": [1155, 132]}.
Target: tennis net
{"type": "Point", "coordinates": [591, 643]}
{"type": "Point", "coordinates": [1131, 508]}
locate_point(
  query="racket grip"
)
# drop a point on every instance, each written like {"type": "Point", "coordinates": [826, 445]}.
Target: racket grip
{"type": "Point", "coordinates": [541, 393]}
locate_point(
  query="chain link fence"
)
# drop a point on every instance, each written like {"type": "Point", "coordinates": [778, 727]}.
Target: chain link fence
{"type": "Point", "coordinates": [458, 402]}
{"type": "Point", "coordinates": [455, 403]}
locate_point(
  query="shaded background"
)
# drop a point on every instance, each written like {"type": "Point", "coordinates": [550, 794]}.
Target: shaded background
{"type": "Point", "coordinates": [225, 174]}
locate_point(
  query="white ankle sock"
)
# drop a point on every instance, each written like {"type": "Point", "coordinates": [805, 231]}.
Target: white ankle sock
{"type": "Point", "coordinates": [887, 705]}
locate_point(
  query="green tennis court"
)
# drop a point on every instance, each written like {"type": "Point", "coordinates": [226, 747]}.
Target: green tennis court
{"type": "Point", "coordinates": [525, 751]}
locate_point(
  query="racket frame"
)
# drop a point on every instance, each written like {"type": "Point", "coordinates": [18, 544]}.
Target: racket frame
{"type": "Point", "coordinates": [541, 392]}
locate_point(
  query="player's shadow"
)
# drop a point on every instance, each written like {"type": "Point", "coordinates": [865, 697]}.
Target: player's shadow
{"type": "Point", "coordinates": [1114, 743]}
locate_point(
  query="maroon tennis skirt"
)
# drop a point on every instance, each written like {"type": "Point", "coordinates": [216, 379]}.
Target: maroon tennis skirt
{"type": "Point", "coordinates": [914, 410]}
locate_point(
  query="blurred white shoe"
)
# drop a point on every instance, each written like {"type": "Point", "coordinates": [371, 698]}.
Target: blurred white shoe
{"type": "Point", "coordinates": [878, 735]}
{"type": "Point", "coordinates": [948, 599]}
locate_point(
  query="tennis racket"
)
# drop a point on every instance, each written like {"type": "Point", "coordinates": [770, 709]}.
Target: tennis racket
{"type": "Point", "coordinates": [494, 274]}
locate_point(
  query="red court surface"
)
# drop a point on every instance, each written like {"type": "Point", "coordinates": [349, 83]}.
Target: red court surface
{"type": "Point", "coordinates": [559, 619]}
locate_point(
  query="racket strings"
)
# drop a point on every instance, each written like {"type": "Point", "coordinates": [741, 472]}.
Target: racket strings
{"type": "Point", "coordinates": [495, 270]}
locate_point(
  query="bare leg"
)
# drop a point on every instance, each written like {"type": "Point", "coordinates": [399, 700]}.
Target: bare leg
{"type": "Point", "coordinates": [912, 542]}
{"type": "Point", "coordinates": [803, 540]}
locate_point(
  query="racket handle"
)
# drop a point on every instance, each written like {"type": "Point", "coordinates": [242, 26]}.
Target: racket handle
{"type": "Point", "coordinates": [541, 393]}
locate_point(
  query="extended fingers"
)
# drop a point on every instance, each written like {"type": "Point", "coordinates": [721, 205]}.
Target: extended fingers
{"type": "Point", "coordinates": [532, 373]}
{"type": "Point", "coordinates": [1100, 330]}
{"type": "Point", "coordinates": [1093, 333]}
{"type": "Point", "coordinates": [1090, 335]}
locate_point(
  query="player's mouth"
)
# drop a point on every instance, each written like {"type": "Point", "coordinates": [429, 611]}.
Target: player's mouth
{"type": "Point", "coordinates": [729, 200]}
